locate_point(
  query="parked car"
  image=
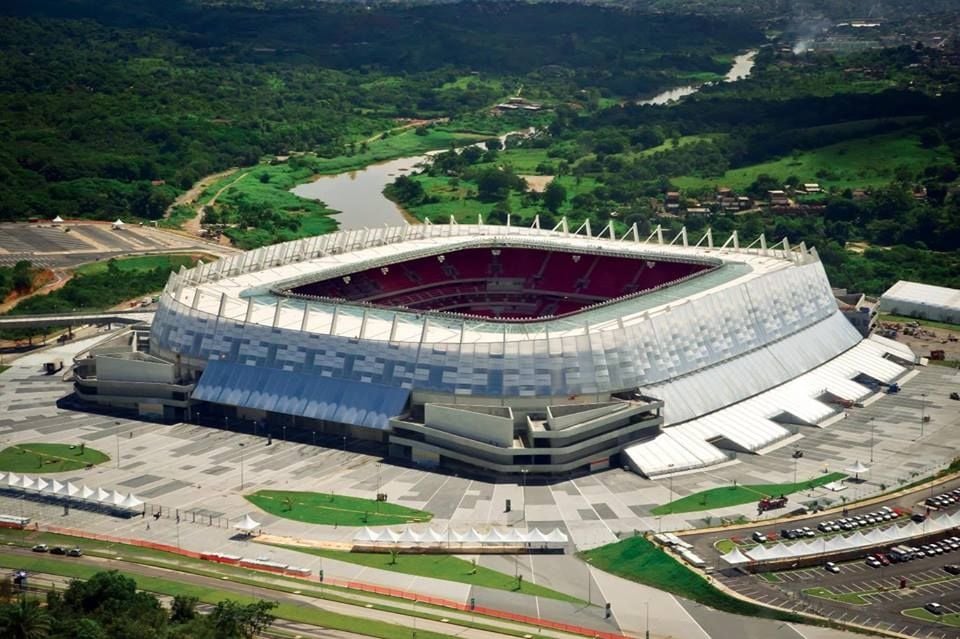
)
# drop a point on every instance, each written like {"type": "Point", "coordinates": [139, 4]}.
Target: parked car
{"type": "Point", "coordinates": [831, 567]}
{"type": "Point", "coordinates": [75, 552]}
{"type": "Point", "coordinates": [934, 607]}
{"type": "Point", "coordinates": [759, 537]}
{"type": "Point", "coordinates": [873, 562]}
{"type": "Point", "coordinates": [58, 550]}
{"type": "Point", "coordinates": [918, 517]}
{"type": "Point", "coordinates": [953, 569]}
{"type": "Point", "coordinates": [40, 548]}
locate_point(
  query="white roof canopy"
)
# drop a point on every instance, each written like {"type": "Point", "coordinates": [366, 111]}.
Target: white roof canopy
{"type": "Point", "coordinates": [248, 523]}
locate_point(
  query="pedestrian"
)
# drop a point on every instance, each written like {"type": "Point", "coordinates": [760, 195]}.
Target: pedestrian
{"type": "Point", "coordinates": [148, 525]}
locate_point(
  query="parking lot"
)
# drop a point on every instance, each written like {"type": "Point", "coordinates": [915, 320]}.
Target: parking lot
{"type": "Point", "coordinates": [49, 246]}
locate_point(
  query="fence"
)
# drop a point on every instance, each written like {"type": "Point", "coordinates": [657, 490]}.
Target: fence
{"type": "Point", "coordinates": [355, 585]}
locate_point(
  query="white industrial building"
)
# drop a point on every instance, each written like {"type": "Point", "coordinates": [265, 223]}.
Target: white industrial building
{"type": "Point", "coordinates": [922, 301]}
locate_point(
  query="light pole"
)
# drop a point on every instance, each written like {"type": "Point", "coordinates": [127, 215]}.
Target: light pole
{"type": "Point", "coordinates": [670, 509]}
{"type": "Point", "coordinates": [241, 466]}
{"type": "Point", "coordinates": [378, 486]}
{"type": "Point", "coordinates": [523, 495]}
{"type": "Point", "coordinates": [646, 604]}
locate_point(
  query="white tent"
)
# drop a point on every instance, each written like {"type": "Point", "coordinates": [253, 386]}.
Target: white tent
{"type": "Point", "coordinates": [14, 480]}
{"type": "Point", "coordinates": [409, 536]}
{"type": "Point", "coordinates": [131, 502]}
{"type": "Point", "coordinates": [57, 488]}
{"type": "Point", "coordinates": [388, 535]}
{"type": "Point", "coordinates": [472, 537]}
{"type": "Point", "coordinates": [246, 524]}
{"type": "Point", "coordinates": [72, 489]}
{"type": "Point", "coordinates": [42, 485]}
{"type": "Point", "coordinates": [58, 220]}
{"type": "Point", "coordinates": [366, 535]}
{"type": "Point", "coordinates": [27, 482]}
{"type": "Point", "coordinates": [117, 498]}
{"type": "Point", "coordinates": [436, 536]}
{"type": "Point", "coordinates": [87, 493]}
{"type": "Point", "coordinates": [856, 469]}
{"type": "Point", "coordinates": [536, 536]}
{"type": "Point", "coordinates": [3, 476]}
{"type": "Point", "coordinates": [514, 536]}
{"type": "Point", "coordinates": [103, 496]}
{"type": "Point", "coordinates": [118, 224]}
{"type": "Point", "coordinates": [735, 557]}
{"type": "Point", "coordinates": [497, 537]}
{"type": "Point", "coordinates": [557, 536]}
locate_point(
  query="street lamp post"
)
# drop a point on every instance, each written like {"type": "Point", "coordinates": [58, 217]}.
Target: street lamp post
{"type": "Point", "coordinates": [378, 486]}
{"type": "Point", "coordinates": [670, 510]}
{"type": "Point", "coordinates": [647, 618]}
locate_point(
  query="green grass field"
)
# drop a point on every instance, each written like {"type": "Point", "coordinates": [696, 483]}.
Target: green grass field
{"type": "Point", "coordinates": [950, 619]}
{"type": "Point", "coordinates": [735, 495]}
{"type": "Point", "coordinates": [864, 162]}
{"type": "Point", "coordinates": [141, 263]}
{"type": "Point", "coordinates": [445, 567]}
{"type": "Point", "coordinates": [340, 510]}
{"type": "Point", "coordinates": [852, 598]}
{"type": "Point", "coordinates": [48, 458]}
{"type": "Point", "coordinates": [637, 559]}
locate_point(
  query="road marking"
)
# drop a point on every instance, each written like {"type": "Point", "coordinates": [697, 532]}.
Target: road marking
{"type": "Point", "coordinates": [695, 622]}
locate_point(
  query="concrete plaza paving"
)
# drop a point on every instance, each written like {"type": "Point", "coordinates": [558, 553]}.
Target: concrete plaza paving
{"type": "Point", "coordinates": [197, 472]}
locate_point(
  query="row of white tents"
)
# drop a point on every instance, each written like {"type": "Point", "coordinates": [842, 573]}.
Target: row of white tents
{"type": "Point", "coordinates": [69, 490]}
{"type": "Point", "coordinates": [895, 534]}
{"type": "Point", "coordinates": [451, 536]}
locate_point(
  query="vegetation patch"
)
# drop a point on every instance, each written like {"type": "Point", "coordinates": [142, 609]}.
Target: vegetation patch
{"type": "Point", "coordinates": [853, 598]}
{"type": "Point", "coordinates": [139, 264]}
{"type": "Point", "coordinates": [49, 458]}
{"type": "Point", "coordinates": [445, 567]}
{"type": "Point", "coordinates": [739, 494]}
{"type": "Point", "coordinates": [950, 619]}
{"type": "Point", "coordinates": [334, 510]}
{"type": "Point", "coordinates": [638, 559]}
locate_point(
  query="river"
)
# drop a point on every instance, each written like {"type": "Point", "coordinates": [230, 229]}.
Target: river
{"type": "Point", "coordinates": [358, 195]}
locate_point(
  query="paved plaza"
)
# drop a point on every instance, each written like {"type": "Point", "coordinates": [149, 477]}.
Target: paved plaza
{"type": "Point", "coordinates": [197, 471]}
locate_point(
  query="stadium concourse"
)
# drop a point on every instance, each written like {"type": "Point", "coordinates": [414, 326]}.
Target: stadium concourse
{"type": "Point", "coordinates": [508, 349]}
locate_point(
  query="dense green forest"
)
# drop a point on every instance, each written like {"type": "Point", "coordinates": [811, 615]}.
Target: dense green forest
{"type": "Point", "coordinates": [112, 108]}
{"type": "Point", "coordinates": [109, 605]}
{"type": "Point", "coordinates": [872, 128]}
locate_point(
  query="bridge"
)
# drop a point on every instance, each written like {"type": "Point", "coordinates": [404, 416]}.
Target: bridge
{"type": "Point", "coordinates": [133, 316]}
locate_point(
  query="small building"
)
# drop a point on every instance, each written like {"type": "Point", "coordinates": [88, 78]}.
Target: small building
{"type": "Point", "coordinates": [812, 187]}
{"type": "Point", "coordinates": [778, 198]}
{"type": "Point", "coordinates": [858, 309]}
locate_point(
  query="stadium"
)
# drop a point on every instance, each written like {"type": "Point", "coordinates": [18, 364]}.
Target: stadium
{"type": "Point", "coordinates": [506, 349]}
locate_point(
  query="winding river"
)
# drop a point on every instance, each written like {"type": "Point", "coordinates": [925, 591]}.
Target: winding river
{"type": "Point", "coordinates": [358, 195]}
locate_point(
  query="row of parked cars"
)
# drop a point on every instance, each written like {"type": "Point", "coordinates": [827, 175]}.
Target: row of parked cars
{"type": "Point", "coordinates": [944, 500]}
{"type": "Point", "coordinates": [853, 522]}
{"type": "Point", "coordinates": [59, 550]}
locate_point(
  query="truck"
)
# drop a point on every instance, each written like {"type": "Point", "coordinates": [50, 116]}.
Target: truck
{"type": "Point", "coordinates": [771, 503]}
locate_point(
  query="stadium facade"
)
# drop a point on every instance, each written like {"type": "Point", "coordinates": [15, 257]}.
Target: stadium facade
{"type": "Point", "coordinates": [509, 349]}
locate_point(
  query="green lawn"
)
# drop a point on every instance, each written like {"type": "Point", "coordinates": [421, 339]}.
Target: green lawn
{"type": "Point", "coordinates": [637, 559]}
{"type": "Point", "coordinates": [48, 458]}
{"type": "Point", "coordinates": [735, 495]}
{"type": "Point", "coordinates": [951, 619]}
{"type": "Point", "coordinates": [445, 567]}
{"type": "Point", "coordinates": [142, 263]}
{"type": "Point", "coordinates": [301, 613]}
{"type": "Point", "coordinates": [852, 598]}
{"type": "Point", "coordinates": [864, 162]}
{"type": "Point", "coordinates": [340, 510]}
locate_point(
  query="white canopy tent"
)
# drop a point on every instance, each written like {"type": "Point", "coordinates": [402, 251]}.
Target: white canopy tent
{"type": "Point", "coordinates": [735, 557]}
{"type": "Point", "coordinates": [856, 469]}
{"type": "Point", "coordinates": [118, 224]}
{"type": "Point", "coordinates": [247, 524]}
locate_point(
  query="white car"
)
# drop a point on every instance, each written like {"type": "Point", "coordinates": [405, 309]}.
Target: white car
{"type": "Point", "coordinates": [831, 567]}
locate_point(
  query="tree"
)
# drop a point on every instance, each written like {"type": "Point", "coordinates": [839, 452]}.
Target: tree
{"type": "Point", "coordinates": [493, 185]}
{"type": "Point", "coordinates": [183, 608]}
{"type": "Point", "coordinates": [25, 620]}
{"type": "Point", "coordinates": [554, 196]}
{"type": "Point", "coordinates": [232, 620]}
